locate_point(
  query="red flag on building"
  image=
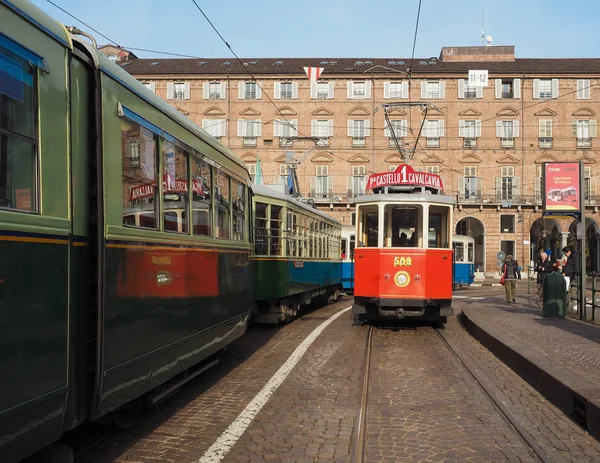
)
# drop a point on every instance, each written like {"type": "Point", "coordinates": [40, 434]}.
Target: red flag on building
{"type": "Point", "coordinates": [313, 73]}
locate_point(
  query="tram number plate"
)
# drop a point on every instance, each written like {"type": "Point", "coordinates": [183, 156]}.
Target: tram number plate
{"type": "Point", "coordinates": [402, 261]}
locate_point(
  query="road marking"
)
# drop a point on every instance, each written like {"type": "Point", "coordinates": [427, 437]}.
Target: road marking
{"type": "Point", "coordinates": [231, 435]}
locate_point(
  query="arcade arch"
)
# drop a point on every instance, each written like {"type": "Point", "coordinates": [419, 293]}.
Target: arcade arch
{"type": "Point", "coordinates": [545, 235]}
{"type": "Point", "coordinates": [592, 243]}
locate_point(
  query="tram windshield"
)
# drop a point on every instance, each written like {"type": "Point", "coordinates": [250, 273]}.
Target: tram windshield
{"type": "Point", "coordinates": [403, 226]}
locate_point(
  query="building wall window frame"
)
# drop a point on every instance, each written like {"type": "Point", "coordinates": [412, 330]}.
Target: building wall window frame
{"type": "Point", "coordinates": [507, 131]}
{"type": "Point", "coordinates": [322, 183]}
{"type": "Point", "coordinates": [507, 185]}
{"type": "Point", "coordinates": [249, 90]}
{"type": "Point", "coordinates": [433, 90]}
{"type": "Point", "coordinates": [359, 130]}
{"type": "Point", "coordinates": [583, 89]}
{"type": "Point", "coordinates": [285, 130]}
{"type": "Point", "coordinates": [507, 223]}
{"type": "Point", "coordinates": [359, 90]}
{"type": "Point", "coordinates": [469, 186]}
{"type": "Point", "coordinates": [150, 86]}
{"type": "Point", "coordinates": [469, 92]}
{"type": "Point", "coordinates": [545, 88]}
{"type": "Point", "coordinates": [584, 131]}
{"type": "Point", "coordinates": [399, 129]}
{"type": "Point", "coordinates": [215, 127]}
{"type": "Point", "coordinates": [395, 90]}
{"type": "Point", "coordinates": [214, 90]}
{"type": "Point", "coordinates": [469, 131]}
{"type": "Point", "coordinates": [286, 90]}
{"type": "Point", "coordinates": [507, 88]}
{"type": "Point", "coordinates": [357, 181]}
{"type": "Point", "coordinates": [433, 130]}
{"type": "Point", "coordinates": [322, 128]}
{"type": "Point", "coordinates": [249, 130]}
{"type": "Point", "coordinates": [322, 90]}
{"type": "Point", "coordinates": [178, 91]}
{"type": "Point", "coordinates": [545, 133]}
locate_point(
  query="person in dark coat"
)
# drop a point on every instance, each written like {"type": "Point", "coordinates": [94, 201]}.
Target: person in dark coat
{"type": "Point", "coordinates": [571, 268]}
{"type": "Point", "coordinates": [511, 268]}
{"type": "Point", "coordinates": [544, 267]}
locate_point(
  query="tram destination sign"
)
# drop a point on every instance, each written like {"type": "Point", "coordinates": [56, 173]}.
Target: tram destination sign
{"type": "Point", "coordinates": [561, 189]}
{"type": "Point", "coordinates": [404, 175]}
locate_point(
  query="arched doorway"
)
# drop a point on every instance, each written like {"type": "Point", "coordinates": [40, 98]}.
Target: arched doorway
{"type": "Point", "coordinates": [545, 235]}
{"type": "Point", "coordinates": [473, 227]}
{"type": "Point", "coordinates": [592, 243]}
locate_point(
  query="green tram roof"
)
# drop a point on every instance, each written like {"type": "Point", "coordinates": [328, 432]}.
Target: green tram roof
{"type": "Point", "coordinates": [41, 20]}
{"type": "Point", "coordinates": [409, 198]}
{"type": "Point", "coordinates": [263, 190]}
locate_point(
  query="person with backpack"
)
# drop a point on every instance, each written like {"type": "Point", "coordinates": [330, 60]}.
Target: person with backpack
{"type": "Point", "coordinates": [512, 273]}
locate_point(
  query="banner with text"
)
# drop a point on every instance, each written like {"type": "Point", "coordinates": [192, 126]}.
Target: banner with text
{"type": "Point", "coordinates": [404, 175]}
{"type": "Point", "coordinates": [562, 195]}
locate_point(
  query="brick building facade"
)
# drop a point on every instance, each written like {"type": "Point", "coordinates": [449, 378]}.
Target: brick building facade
{"type": "Point", "coordinates": [488, 144]}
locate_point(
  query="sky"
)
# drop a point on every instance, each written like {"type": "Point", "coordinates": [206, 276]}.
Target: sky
{"type": "Point", "coordinates": [338, 28]}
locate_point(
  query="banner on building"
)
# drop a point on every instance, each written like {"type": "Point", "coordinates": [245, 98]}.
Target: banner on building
{"type": "Point", "coordinates": [561, 189]}
{"type": "Point", "coordinates": [405, 175]}
{"type": "Point", "coordinates": [313, 73]}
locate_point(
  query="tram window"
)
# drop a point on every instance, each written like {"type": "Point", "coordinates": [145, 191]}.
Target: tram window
{"type": "Point", "coordinates": [471, 252]}
{"type": "Point", "coordinates": [139, 163]}
{"type": "Point", "coordinates": [239, 209]}
{"type": "Point", "coordinates": [18, 140]}
{"type": "Point", "coordinates": [459, 252]}
{"type": "Point", "coordinates": [202, 197]}
{"type": "Point", "coordinates": [260, 229]}
{"type": "Point", "coordinates": [224, 206]}
{"type": "Point", "coordinates": [403, 227]}
{"type": "Point", "coordinates": [275, 231]}
{"type": "Point", "coordinates": [370, 220]}
{"type": "Point", "coordinates": [175, 190]}
{"type": "Point", "coordinates": [129, 219]}
{"type": "Point", "coordinates": [344, 247]}
{"type": "Point", "coordinates": [352, 245]}
{"type": "Point", "coordinates": [439, 233]}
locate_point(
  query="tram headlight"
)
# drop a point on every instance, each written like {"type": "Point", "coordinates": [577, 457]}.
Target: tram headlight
{"type": "Point", "coordinates": [402, 278]}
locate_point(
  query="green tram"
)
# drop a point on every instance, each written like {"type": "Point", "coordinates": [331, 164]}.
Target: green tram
{"type": "Point", "coordinates": [112, 282]}
{"type": "Point", "coordinates": [296, 256]}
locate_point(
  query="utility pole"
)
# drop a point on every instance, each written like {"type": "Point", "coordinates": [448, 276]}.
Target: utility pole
{"type": "Point", "coordinates": [581, 230]}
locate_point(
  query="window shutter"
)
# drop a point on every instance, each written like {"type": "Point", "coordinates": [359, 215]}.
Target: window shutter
{"type": "Point", "coordinates": [367, 128]}
{"type": "Point", "coordinates": [331, 89]}
{"type": "Point", "coordinates": [517, 88]}
{"type": "Point", "coordinates": [573, 128]}
{"type": "Point", "coordinates": [258, 128]}
{"type": "Point", "coordinates": [169, 90]}
{"type": "Point", "coordinates": [241, 128]}
{"type": "Point", "coordinates": [461, 88]}
{"type": "Point", "coordinates": [386, 130]}
{"type": "Point", "coordinates": [386, 89]}
{"type": "Point", "coordinates": [542, 128]}
{"type": "Point", "coordinates": [205, 86]}
{"type": "Point", "coordinates": [350, 87]}
{"type": "Point", "coordinates": [404, 89]}
{"type": "Point", "coordinates": [242, 90]}
{"type": "Point", "coordinates": [187, 91]}
{"type": "Point", "coordinates": [593, 128]}
{"type": "Point", "coordinates": [403, 128]}
{"type": "Point", "coordinates": [313, 128]}
{"type": "Point", "coordinates": [440, 128]}
{"type": "Point", "coordinates": [479, 92]}
{"type": "Point", "coordinates": [515, 128]}
{"type": "Point", "coordinates": [478, 128]}
{"type": "Point", "coordinates": [294, 130]}
{"type": "Point", "coordinates": [153, 87]}
{"type": "Point", "coordinates": [330, 123]}
{"type": "Point", "coordinates": [516, 184]}
{"type": "Point", "coordinates": [277, 128]}
{"type": "Point", "coordinates": [205, 123]}
{"type": "Point", "coordinates": [554, 88]}
{"type": "Point", "coordinates": [499, 129]}
{"type": "Point", "coordinates": [423, 90]}
{"type": "Point", "coordinates": [536, 89]}
{"type": "Point", "coordinates": [350, 128]}
{"type": "Point", "coordinates": [442, 90]}
{"type": "Point", "coordinates": [461, 128]}
{"type": "Point", "coordinates": [498, 88]}
{"type": "Point", "coordinates": [461, 185]}
{"type": "Point", "coordinates": [259, 90]}
{"type": "Point", "coordinates": [277, 92]}
{"type": "Point", "coordinates": [223, 90]}
{"type": "Point", "coordinates": [295, 90]}
{"type": "Point", "coordinates": [368, 89]}
{"type": "Point", "coordinates": [313, 90]}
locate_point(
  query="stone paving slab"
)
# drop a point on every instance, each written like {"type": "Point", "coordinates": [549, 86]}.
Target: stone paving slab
{"type": "Point", "coordinates": [558, 357]}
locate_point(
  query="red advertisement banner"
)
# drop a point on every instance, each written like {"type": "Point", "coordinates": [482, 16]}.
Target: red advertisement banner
{"type": "Point", "coordinates": [561, 187]}
{"type": "Point", "coordinates": [404, 175]}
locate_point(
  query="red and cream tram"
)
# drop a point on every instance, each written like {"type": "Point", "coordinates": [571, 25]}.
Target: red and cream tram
{"type": "Point", "coordinates": [403, 258]}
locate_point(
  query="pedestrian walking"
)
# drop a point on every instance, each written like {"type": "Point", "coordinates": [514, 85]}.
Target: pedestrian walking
{"type": "Point", "coordinates": [512, 273]}
{"type": "Point", "coordinates": [571, 268]}
{"type": "Point", "coordinates": [544, 267]}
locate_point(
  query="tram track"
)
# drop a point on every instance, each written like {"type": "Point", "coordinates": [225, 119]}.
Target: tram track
{"type": "Point", "coordinates": [359, 444]}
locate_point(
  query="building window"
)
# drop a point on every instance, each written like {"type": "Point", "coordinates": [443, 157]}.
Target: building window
{"type": "Point", "coordinates": [178, 91]}
{"type": "Point", "coordinates": [322, 129]}
{"type": "Point", "coordinates": [250, 90]}
{"type": "Point", "coordinates": [472, 183]}
{"type": "Point", "coordinates": [150, 86]}
{"type": "Point", "coordinates": [356, 185]}
{"type": "Point", "coordinates": [507, 184]}
{"type": "Point", "coordinates": [322, 90]}
{"type": "Point", "coordinates": [433, 90]}
{"type": "Point", "coordinates": [432, 169]}
{"type": "Point", "coordinates": [545, 133]}
{"type": "Point", "coordinates": [285, 130]}
{"type": "Point", "coordinates": [358, 130]}
{"type": "Point", "coordinates": [215, 127]}
{"type": "Point", "coordinates": [252, 171]}
{"type": "Point", "coordinates": [507, 131]}
{"type": "Point", "coordinates": [584, 131]}
{"type": "Point", "coordinates": [286, 90]}
{"type": "Point", "coordinates": [359, 90]}
{"type": "Point", "coordinates": [395, 90]}
{"type": "Point", "coordinates": [433, 131]}
{"type": "Point", "coordinates": [507, 88]}
{"type": "Point", "coordinates": [249, 130]}
{"type": "Point", "coordinates": [322, 184]}
{"type": "Point", "coordinates": [469, 131]}
{"type": "Point", "coordinates": [583, 89]}
{"type": "Point", "coordinates": [468, 92]}
{"type": "Point", "coordinates": [214, 90]}
{"type": "Point", "coordinates": [283, 174]}
{"type": "Point", "coordinates": [397, 130]}
{"type": "Point", "coordinates": [545, 88]}
{"type": "Point", "coordinates": [507, 223]}
{"type": "Point", "coordinates": [19, 171]}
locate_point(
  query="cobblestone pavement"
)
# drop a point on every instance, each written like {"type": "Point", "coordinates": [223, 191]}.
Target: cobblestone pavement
{"type": "Point", "coordinates": [183, 427]}
{"type": "Point", "coordinates": [424, 408]}
{"type": "Point", "coordinates": [560, 438]}
{"type": "Point", "coordinates": [570, 343]}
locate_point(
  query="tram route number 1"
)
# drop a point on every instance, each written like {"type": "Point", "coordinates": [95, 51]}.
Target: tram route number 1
{"type": "Point", "coordinates": [478, 78]}
{"type": "Point", "coordinates": [402, 261]}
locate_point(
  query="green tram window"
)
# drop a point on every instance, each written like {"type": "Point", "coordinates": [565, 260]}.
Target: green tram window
{"type": "Point", "coordinates": [239, 209]}
{"type": "Point", "coordinates": [176, 199]}
{"type": "Point", "coordinates": [223, 204]}
{"type": "Point", "coordinates": [202, 197]}
{"type": "Point", "coordinates": [139, 156]}
{"type": "Point", "coordinates": [18, 131]}
{"type": "Point", "coordinates": [275, 230]}
{"type": "Point", "coordinates": [260, 229]}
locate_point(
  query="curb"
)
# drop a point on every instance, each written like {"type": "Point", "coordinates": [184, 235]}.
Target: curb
{"type": "Point", "coordinates": [575, 396]}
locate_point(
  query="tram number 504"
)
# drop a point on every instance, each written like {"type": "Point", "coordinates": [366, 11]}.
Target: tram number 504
{"type": "Point", "coordinates": [402, 261]}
